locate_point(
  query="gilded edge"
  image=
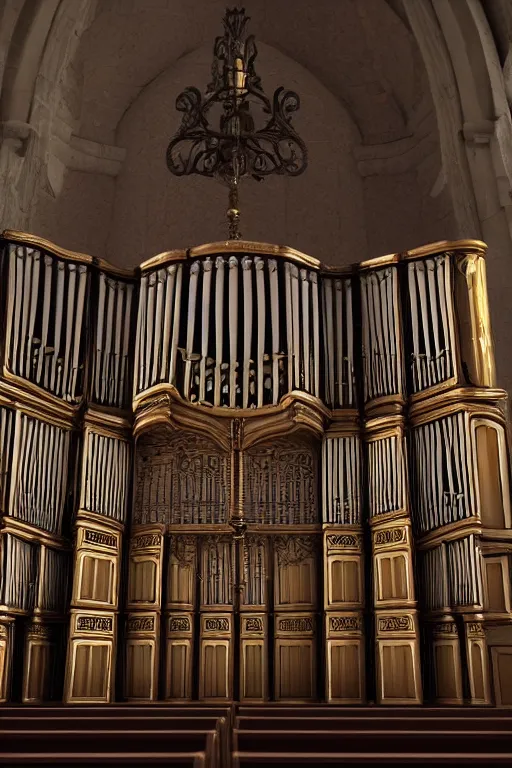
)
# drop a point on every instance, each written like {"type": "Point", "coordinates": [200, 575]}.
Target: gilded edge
{"type": "Point", "coordinates": [245, 246]}
{"type": "Point", "coordinates": [25, 238]}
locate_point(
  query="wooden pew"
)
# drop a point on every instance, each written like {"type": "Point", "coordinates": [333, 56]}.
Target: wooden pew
{"type": "Point", "coordinates": [205, 723]}
{"type": "Point", "coordinates": [383, 742]}
{"type": "Point", "coordinates": [346, 760]}
{"type": "Point", "coordinates": [328, 710]}
{"type": "Point", "coordinates": [31, 744]}
{"type": "Point", "coordinates": [79, 760]}
{"type": "Point", "coordinates": [317, 723]}
{"type": "Point", "coordinates": [116, 710]}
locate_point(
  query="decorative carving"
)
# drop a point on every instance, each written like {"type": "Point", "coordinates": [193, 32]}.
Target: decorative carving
{"type": "Point", "coordinates": [395, 624]}
{"type": "Point", "coordinates": [179, 624]}
{"type": "Point", "coordinates": [281, 483]}
{"type": "Point", "coordinates": [295, 549]}
{"type": "Point", "coordinates": [94, 623]}
{"type": "Point", "coordinates": [345, 623]}
{"type": "Point", "coordinates": [183, 550]}
{"type": "Point", "coordinates": [216, 625]}
{"type": "Point", "coordinates": [390, 536]}
{"type": "Point", "coordinates": [444, 628]}
{"type": "Point", "coordinates": [183, 480]}
{"type": "Point", "coordinates": [145, 541]}
{"type": "Point", "coordinates": [40, 630]}
{"type": "Point", "coordinates": [296, 624]}
{"type": "Point", "coordinates": [103, 539]}
{"type": "Point", "coordinates": [255, 570]}
{"type": "Point", "coordinates": [345, 540]}
{"type": "Point", "coordinates": [254, 624]}
{"type": "Point", "coordinates": [217, 568]}
{"type": "Point", "coordinates": [141, 624]}
{"type": "Point", "coordinates": [476, 629]}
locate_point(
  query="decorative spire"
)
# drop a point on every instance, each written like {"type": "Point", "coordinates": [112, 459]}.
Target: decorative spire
{"type": "Point", "coordinates": [226, 142]}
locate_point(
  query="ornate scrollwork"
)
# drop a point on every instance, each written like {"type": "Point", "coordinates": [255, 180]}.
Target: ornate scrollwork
{"type": "Point", "coordinates": [183, 480]}
{"type": "Point", "coordinates": [292, 550]}
{"type": "Point", "coordinates": [281, 484]}
{"type": "Point", "coordinates": [235, 147]}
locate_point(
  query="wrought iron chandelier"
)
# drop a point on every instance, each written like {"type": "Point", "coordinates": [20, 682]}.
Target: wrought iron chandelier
{"type": "Point", "coordinates": [220, 137]}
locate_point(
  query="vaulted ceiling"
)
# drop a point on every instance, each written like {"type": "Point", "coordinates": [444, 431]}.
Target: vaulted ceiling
{"type": "Point", "coordinates": [362, 52]}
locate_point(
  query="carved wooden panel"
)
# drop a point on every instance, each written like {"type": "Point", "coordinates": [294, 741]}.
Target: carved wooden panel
{"type": "Point", "coordinates": [344, 670]}
{"type": "Point", "coordinates": [502, 673]}
{"type": "Point", "coordinates": [91, 654]}
{"type": "Point", "coordinates": [345, 658]}
{"type": "Point", "coordinates": [37, 673]}
{"type": "Point", "coordinates": [145, 569]}
{"type": "Point", "coordinates": [142, 649]}
{"type": "Point", "coordinates": [139, 662]}
{"type": "Point", "coordinates": [448, 688]}
{"type": "Point", "coordinates": [96, 575]}
{"type": "Point", "coordinates": [345, 581]}
{"type": "Point", "coordinates": [179, 656]}
{"type": "Point", "coordinates": [281, 483]}
{"type": "Point", "coordinates": [295, 656]}
{"type": "Point", "coordinates": [254, 657]}
{"type": "Point", "coordinates": [183, 480]}
{"type": "Point", "coordinates": [255, 570]}
{"type": "Point", "coordinates": [91, 662]}
{"type": "Point", "coordinates": [491, 473]}
{"type": "Point", "coordinates": [217, 570]}
{"type": "Point", "coordinates": [497, 584]}
{"type": "Point", "coordinates": [295, 571]}
{"type": "Point", "coordinates": [398, 672]}
{"type": "Point", "coordinates": [477, 661]}
{"type": "Point", "coordinates": [182, 572]}
{"type": "Point", "coordinates": [393, 577]}
{"type": "Point", "coordinates": [216, 657]}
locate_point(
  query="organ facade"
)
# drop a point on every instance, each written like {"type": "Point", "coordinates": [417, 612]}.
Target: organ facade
{"type": "Point", "coordinates": [239, 474]}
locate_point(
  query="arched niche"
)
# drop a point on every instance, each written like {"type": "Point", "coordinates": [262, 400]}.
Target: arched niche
{"type": "Point", "coordinates": [181, 478]}
{"type": "Point", "coordinates": [281, 481]}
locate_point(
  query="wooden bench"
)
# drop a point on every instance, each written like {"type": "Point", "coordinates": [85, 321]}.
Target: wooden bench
{"type": "Point", "coordinates": [35, 743]}
{"type": "Point", "coordinates": [329, 710]}
{"type": "Point", "coordinates": [116, 710]}
{"type": "Point", "coordinates": [120, 723]}
{"type": "Point", "coordinates": [362, 723]}
{"type": "Point", "coordinates": [383, 742]}
{"type": "Point", "coordinates": [345, 759]}
{"type": "Point", "coordinates": [79, 760]}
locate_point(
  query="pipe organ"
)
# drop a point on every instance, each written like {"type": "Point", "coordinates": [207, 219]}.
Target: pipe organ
{"type": "Point", "coordinates": [238, 474]}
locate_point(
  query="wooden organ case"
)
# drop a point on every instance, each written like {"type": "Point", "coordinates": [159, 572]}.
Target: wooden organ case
{"type": "Point", "coordinates": [241, 475]}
